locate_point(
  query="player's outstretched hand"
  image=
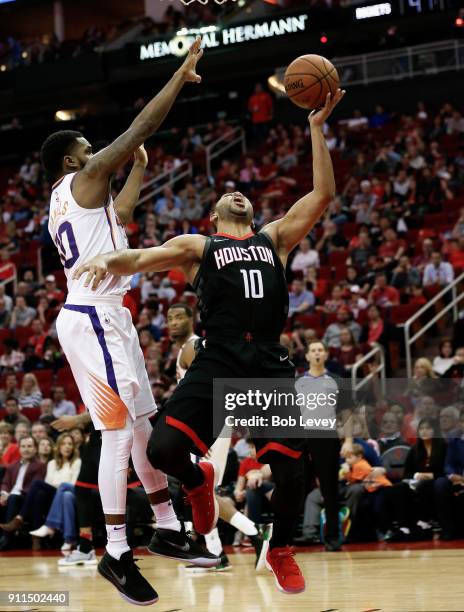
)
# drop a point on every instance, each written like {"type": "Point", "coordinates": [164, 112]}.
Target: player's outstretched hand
{"type": "Point", "coordinates": [188, 68]}
{"type": "Point", "coordinates": [96, 270]}
{"type": "Point", "coordinates": [318, 116]}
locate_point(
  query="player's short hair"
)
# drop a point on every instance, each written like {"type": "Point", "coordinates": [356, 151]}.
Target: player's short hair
{"type": "Point", "coordinates": [188, 311]}
{"type": "Point", "coordinates": [326, 348]}
{"type": "Point", "coordinates": [55, 147]}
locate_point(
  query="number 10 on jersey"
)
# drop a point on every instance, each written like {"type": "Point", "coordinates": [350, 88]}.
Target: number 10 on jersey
{"type": "Point", "coordinates": [253, 283]}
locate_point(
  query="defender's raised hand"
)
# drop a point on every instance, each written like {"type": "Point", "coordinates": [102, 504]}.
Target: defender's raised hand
{"type": "Point", "coordinates": [318, 116]}
{"type": "Point", "coordinates": [188, 68]}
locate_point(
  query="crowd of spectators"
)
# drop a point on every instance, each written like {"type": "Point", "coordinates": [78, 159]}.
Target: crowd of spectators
{"type": "Point", "coordinates": [391, 239]}
{"type": "Point", "coordinates": [47, 48]}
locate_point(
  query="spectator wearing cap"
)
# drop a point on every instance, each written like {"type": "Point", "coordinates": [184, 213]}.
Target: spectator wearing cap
{"type": "Point", "coordinates": [22, 314]}
{"type": "Point", "coordinates": [365, 196]}
{"type": "Point", "coordinates": [52, 293]}
{"type": "Point", "coordinates": [344, 320]}
{"type": "Point", "coordinates": [356, 302]}
{"type": "Point", "coordinates": [61, 405]}
{"type": "Point", "coordinates": [438, 272]}
{"type": "Point", "coordinates": [383, 294]}
{"type": "Point", "coordinates": [305, 257]}
{"type": "Point", "coordinates": [300, 299]}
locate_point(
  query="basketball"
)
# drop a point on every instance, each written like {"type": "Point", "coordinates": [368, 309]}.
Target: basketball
{"type": "Point", "coordinates": [308, 80]}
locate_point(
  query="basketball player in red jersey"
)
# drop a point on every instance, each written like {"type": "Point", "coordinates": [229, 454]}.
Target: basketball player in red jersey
{"type": "Point", "coordinates": [240, 280]}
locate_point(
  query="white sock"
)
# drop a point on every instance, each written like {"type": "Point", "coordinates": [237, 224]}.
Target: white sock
{"type": "Point", "coordinates": [213, 542]}
{"type": "Point", "coordinates": [405, 530]}
{"type": "Point", "coordinates": [243, 524]}
{"type": "Point", "coordinates": [117, 541]}
{"type": "Point", "coordinates": [165, 516]}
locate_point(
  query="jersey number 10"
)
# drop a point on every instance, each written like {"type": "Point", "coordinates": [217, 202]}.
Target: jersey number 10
{"type": "Point", "coordinates": [66, 229]}
{"type": "Point", "coordinates": [253, 283]}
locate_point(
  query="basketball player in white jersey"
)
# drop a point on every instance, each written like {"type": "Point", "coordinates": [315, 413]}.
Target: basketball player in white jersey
{"type": "Point", "coordinates": [180, 327]}
{"type": "Point", "coordinates": [96, 331]}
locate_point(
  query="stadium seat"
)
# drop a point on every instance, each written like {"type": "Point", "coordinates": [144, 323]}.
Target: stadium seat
{"type": "Point", "coordinates": [401, 313]}
{"type": "Point", "coordinates": [337, 258]}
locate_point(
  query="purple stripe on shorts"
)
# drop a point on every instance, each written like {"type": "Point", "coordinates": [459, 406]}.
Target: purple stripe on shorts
{"type": "Point", "coordinates": [100, 332]}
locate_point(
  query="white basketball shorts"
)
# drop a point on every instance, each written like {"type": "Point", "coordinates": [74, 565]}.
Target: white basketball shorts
{"type": "Point", "coordinates": [102, 347]}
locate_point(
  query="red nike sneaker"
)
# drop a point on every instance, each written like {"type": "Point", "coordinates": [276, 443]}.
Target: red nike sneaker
{"type": "Point", "coordinates": [205, 509]}
{"type": "Point", "coordinates": [287, 574]}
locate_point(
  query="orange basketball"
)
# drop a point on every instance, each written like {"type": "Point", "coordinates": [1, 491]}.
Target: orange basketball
{"type": "Point", "coordinates": [309, 79]}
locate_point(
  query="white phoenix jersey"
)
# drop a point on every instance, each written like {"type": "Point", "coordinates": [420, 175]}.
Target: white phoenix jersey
{"type": "Point", "coordinates": [180, 371]}
{"type": "Point", "coordinates": [81, 233]}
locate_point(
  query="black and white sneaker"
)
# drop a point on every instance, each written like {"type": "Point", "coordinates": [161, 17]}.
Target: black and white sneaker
{"type": "Point", "coordinates": [179, 545]}
{"type": "Point", "coordinates": [223, 566]}
{"type": "Point", "coordinates": [126, 577]}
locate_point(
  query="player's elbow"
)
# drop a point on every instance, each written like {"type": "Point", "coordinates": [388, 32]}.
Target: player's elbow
{"type": "Point", "coordinates": [325, 196]}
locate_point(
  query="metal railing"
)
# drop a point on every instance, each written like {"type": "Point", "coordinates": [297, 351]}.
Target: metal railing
{"type": "Point", "coordinates": [377, 351]}
{"type": "Point", "coordinates": [396, 64]}
{"type": "Point", "coordinates": [406, 62]}
{"type": "Point", "coordinates": [453, 305]}
{"type": "Point", "coordinates": [156, 185]}
{"type": "Point", "coordinates": [222, 144]}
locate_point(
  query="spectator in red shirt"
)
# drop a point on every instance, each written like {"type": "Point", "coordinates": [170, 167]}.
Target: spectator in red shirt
{"type": "Point", "coordinates": [38, 338]}
{"type": "Point", "coordinates": [9, 449]}
{"type": "Point", "coordinates": [383, 294]}
{"type": "Point", "coordinates": [373, 331]}
{"type": "Point", "coordinates": [51, 290]}
{"type": "Point", "coordinates": [392, 248]}
{"type": "Point", "coordinates": [260, 106]}
{"type": "Point", "coordinates": [253, 484]}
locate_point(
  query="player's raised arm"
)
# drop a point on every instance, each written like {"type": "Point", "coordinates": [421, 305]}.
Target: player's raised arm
{"type": "Point", "coordinates": [101, 165]}
{"type": "Point", "coordinates": [126, 200]}
{"type": "Point", "coordinates": [300, 219]}
{"type": "Point", "coordinates": [179, 252]}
